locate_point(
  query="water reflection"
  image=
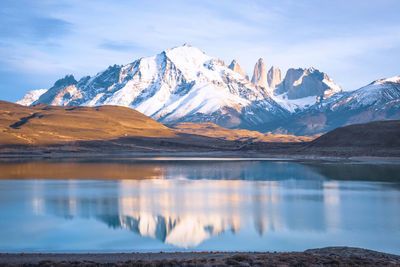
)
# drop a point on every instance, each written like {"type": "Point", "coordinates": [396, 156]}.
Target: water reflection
{"type": "Point", "coordinates": [207, 168]}
{"type": "Point", "coordinates": [78, 170]}
{"type": "Point", "coordinates": [187, 206]}
{"type": "Point", "coordinates": [184, 213]}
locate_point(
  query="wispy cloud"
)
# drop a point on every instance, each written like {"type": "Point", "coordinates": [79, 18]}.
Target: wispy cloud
{"type": "Point", "coordinates": [121, 46]}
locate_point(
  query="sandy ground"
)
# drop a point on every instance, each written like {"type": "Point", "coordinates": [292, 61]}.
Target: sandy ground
{"type": "Point", "coordinates": [331, 256]}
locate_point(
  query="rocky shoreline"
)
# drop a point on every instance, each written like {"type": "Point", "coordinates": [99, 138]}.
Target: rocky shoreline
{"type": "Point", "coordinates": [330, 256]}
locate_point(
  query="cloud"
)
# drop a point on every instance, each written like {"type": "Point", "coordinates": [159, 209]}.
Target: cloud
{"type": "Point", "coordinates": [42, 27]}
{"type": "Point", "coordinates": [119, 46]}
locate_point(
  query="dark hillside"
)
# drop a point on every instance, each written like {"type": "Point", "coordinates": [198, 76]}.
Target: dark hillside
{"type": "Point", "coordinates": [382, 134]}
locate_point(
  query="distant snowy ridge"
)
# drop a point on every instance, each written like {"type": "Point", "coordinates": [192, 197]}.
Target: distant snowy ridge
{"type": "Point", "coordinates": [377, 94]}
{"type": "Point", "coordinates": [31, 97]}
{"type": "Point", "coordinates": [379, 100]}
{"type": "Point", "coordinates": [395, 79]}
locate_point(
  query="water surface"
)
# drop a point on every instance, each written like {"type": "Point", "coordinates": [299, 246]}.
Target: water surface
{"type": "Point", "coordinates": [175, 204]}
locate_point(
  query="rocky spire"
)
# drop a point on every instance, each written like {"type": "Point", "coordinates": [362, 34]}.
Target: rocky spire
{"type": "Point", "coordinates": [260, 74]}
{"type": "Point", "coordinates": [274, 77]}
{"type": "Point", "coordinates": [236, 67]}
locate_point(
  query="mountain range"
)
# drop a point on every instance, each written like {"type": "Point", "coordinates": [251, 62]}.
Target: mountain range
{"type": "Point", "coordinates": [183, 84]}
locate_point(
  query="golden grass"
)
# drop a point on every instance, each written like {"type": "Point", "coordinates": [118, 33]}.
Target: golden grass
{"type": "Point", "coordinates": [44, 124]}
{"type": "Point", "coordinates": [213, 130]}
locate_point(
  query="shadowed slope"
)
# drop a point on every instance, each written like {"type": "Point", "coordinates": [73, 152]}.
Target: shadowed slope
{"type": "Point", "coordinates": [44, 124]}
{"type": "Point", "coordinates": [382, 134]}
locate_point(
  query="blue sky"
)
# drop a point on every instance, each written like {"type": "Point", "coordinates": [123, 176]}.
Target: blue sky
{"type": "Point", "coordinates": [355, 42]}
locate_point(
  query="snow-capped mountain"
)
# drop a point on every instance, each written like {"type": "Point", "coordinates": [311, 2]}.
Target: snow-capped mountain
{"type": "Point", "coordinates": [180, 84]}
{"type": "Point", "coordinates": [183, 84]}
{"type": "Point", "coordinates": [177, 85]}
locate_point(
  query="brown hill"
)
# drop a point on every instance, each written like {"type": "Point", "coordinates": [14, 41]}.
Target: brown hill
{"type": "Point", "coordinates": [215, 131]}
{"type": "Point", "coordinates": [44, 124]}
{"type": "Point", "coordinates": [378, 134]}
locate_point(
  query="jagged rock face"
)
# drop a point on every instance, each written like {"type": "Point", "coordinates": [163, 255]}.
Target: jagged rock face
{"type": "Point", "coordinates": [260, 74]}
{"type": "Point", "coordinates": [236, 67]}
{"type": "Point", "coordinates": [299, 83]}
{"type": "Point", "coordinates": [274, 77]}
{"type": "Point", "coordinates": [62, 92]}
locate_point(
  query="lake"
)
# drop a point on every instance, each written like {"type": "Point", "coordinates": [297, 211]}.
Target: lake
{"type": "Point", "coordinates": [186, 204]}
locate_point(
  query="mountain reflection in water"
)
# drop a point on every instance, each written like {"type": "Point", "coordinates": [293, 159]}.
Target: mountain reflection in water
{"type": "Point", "coordinates": [187, 204]}
{"type": "Point", "coordinates": [178, 212]}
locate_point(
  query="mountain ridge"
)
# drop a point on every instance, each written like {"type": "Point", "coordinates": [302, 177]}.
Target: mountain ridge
{"type": "Point", "coordinates": [183, 84]}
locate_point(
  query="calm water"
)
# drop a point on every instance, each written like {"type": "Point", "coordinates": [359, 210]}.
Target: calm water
{"type": "Point", "coordinates": [172, 205]}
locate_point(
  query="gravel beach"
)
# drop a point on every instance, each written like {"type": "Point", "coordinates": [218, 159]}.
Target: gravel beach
{"type": "Point", "coordinates": [330, 256]}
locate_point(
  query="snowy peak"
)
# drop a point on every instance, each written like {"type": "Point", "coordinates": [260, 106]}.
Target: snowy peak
{"type": "Point", "coordinates": [395, 79]}
{"type": "Point", "coordinates": [274, 77]}
{"type": "Point", "coordinates": [187, 59]}
{"type": "Point", "coordinates": [300, 83]}
{"type": "Point", "coordinates": [187, 55]}
{"type": "Point", "coordinates": [260, 74]}
{"type": "Point", "coordinates": [236, 68]}
{"type": "Point", "coordinates": [31, 97]}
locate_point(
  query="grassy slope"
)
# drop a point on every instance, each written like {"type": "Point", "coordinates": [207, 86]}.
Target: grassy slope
{"type": "Point", "coordinates": [43, 124]}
